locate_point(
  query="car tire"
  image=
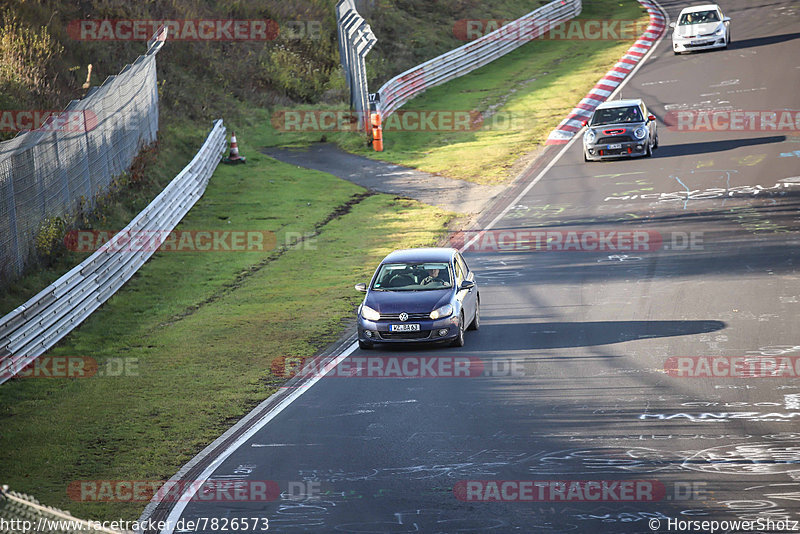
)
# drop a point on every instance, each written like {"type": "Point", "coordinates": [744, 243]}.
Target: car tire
{"type": "Point", "coordinates": [476, 321]}
{"type": "Point", "coordinates": [364, 345]}
{"type": "Point", "coordinates": [459, 340]}
{"type": "Point", "coordinates": [585, 156]}
{"type": "Point", "coordinates": [655, 143]}
{"type": "Point", "coordinates": [648, 151]}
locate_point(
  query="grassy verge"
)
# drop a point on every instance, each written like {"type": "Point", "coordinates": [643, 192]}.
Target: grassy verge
{"type": "Point", "coordinates": [201, 330]}
{"type": "Point", "coordinates": [523, 96]}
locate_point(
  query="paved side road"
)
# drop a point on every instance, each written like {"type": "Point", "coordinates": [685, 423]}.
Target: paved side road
{"type": "Point", "coordinates": [453, 195]}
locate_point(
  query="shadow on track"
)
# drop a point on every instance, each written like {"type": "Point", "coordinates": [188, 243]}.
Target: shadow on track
{"type": "Point", "coordinates": [762, 41]}
{"type": "Point", "coordinates": [553, 335]}
{"type": "Point", "coordinates": [707, 147]}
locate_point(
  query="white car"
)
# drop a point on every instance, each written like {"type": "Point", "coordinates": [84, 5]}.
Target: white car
{"type": "Point", "coordinates": [700, 28]}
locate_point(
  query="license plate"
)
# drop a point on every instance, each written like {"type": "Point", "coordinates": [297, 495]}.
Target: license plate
{"type": "Point", "coordinates": [696, 43]}
{"type": "Point", "coordinates": [614, 147]}
{"type": "Point", "coordinates": [404, 328]}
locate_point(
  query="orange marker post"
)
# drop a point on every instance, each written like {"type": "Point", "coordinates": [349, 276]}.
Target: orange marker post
{"type": "Point", "coordinates": [377, 132]}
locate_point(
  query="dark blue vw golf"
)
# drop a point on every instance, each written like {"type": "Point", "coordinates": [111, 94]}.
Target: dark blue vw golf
{"type": "Point", "coordinates": [419, 295]}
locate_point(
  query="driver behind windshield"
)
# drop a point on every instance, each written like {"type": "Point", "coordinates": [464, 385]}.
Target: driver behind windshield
{"type": "Point", "coordinates": [433, 277]}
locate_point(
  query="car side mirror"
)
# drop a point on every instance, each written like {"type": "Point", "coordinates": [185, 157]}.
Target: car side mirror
{"type": "Point", "coordinates": [651, 117]}
{"type": "Point", "coordinates": [585, 123]}
{"type": "Point", "coordinates": [726, 19]}
{"type": "Point", "coordinates": [361, 287]}
{"type": "Point", "coordinates": [467, 284]}
{"type": "Point", "coordinates": [671, 24]}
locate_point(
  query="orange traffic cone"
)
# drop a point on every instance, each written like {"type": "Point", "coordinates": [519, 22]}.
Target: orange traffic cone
{"type": "Point", "coordinates": [234, 156]}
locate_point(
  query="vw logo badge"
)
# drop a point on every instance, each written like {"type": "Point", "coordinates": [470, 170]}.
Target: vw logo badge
{"type": "Point", "coordinates": [404, 316]}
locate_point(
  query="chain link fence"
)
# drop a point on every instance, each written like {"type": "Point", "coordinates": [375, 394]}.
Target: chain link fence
{"type": "Point", "coordinates": [59, 168]}
{"type": "Point", "coordinates": [22, 514]}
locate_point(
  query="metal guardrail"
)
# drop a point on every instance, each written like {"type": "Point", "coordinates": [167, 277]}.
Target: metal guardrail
{"type": "Point", "coordinates": [355, 41]}
{"type": "Point", "coordinates": [31, 329]}
{"type": "Point", "coordinates": [464, 59]}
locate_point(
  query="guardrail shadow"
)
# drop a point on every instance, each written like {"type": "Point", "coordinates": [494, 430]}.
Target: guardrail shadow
{"type": "Point", "coordinates": [762, 41]}
{"type": "Point", "coordinates": [707, 147]}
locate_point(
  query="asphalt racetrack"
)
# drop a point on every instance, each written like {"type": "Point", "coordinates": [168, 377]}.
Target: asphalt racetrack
{"type": "Point", "coordinates": [603, 385]}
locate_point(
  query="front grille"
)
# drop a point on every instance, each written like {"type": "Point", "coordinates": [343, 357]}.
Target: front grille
{"type": "Point", "coordinates": [614, 140]}
{"type": "Point", "coordinates": [411, 316]}
{"type": "Point", "coordinates": [422, 334]}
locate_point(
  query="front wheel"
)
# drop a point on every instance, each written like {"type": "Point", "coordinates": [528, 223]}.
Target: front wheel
{"type": "Point", "coordinates": [459, 340]}
{"type": "Point", "coordinates": [648, 151]}
{"type": "Point", "coordinates": [363, 345]}
{"type": "Point", "coordinates": [655, 143]}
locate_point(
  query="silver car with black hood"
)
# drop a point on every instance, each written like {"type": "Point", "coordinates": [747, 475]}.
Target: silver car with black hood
{"type": "Point", "coordinates": [620, 128]}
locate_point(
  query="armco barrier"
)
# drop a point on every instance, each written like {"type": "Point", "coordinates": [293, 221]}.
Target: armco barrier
{"type": "Point", "coordinates": [475, 54]}
{"type": "Point", "coordinates": [31, 329]}
{"type": "Point", "coordinates": [355, 41]}
{"type": "Point", "coordinates": [609, 83]}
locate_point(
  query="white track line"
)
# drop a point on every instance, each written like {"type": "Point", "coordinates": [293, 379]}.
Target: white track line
{"type": "Point", "coordinates": [177, 510]}
{"type": "Point", "coordinates": [179, 507]}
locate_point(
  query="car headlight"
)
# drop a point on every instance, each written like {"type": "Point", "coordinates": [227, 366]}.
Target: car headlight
{"type": "Point", "coordinates": [444, 311]}
{"type": "Point", "coordinates": [640, 133]}
{"type": "Point", "coordinates": [590, 137]}
{"type": "Point", "coordinates": [720, 30]}
{"type": "Point", "coordinates": [369, 314]}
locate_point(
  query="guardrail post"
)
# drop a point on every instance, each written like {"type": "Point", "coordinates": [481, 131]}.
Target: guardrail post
{"type": "Point", "coordinates": [355, 42]}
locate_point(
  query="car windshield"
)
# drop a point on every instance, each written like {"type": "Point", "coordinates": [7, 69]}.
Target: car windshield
{"type": "Point", "coordinates": [413, 277]}
{"type": "Point", "coordinates": [698, 17]}
{"type": "Point", "coordinates": [617, 115]}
